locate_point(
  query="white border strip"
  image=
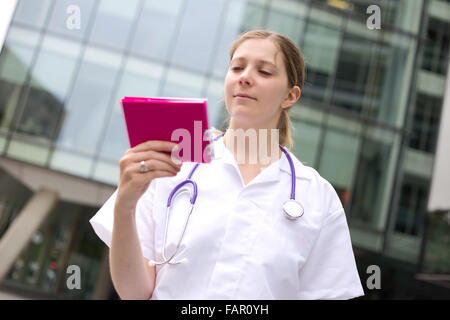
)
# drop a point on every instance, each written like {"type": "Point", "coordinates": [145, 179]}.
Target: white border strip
{"type": "Point", "coordinates": [7, 8]}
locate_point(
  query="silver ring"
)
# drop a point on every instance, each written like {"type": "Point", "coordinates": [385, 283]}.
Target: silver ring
{"type": "Point", "coordinates": [143, 168]}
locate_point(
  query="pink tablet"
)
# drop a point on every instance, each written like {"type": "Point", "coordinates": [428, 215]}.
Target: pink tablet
{"type": "Point", "coordinates": [180, 120]}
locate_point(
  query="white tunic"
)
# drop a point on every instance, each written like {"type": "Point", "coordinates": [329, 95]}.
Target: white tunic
{"type": "Point", "coordinates": [238, 243]}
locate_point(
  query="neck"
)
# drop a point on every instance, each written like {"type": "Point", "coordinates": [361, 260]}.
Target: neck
{"type": "Point", "coordinates": [253, 146]}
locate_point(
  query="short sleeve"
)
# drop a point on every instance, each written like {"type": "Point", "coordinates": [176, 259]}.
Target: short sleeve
{"type": "Point", "coordinates": [102, 222]}
{"type": "Point", "coordinates": [330, 270]}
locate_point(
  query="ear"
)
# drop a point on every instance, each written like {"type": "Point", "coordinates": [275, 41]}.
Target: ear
{"type": "Point", "coordinates": [292, 97]}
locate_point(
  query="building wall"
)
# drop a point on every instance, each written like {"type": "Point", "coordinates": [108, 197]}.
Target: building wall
{"type": "Point", "coordinates": [368, 118]}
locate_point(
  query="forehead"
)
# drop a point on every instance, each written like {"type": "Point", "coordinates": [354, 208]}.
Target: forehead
{"type": "Point", "coordinates": [259, 49]}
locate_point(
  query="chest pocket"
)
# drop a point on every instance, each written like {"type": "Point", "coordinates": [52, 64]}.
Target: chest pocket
{"type": "Point", "coordinates": [286, 243]}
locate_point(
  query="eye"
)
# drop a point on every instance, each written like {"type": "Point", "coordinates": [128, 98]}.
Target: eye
{"type": "Point", "coordinates": [236, 68]}
{"type": "Point", "coordinates": [265, 72]}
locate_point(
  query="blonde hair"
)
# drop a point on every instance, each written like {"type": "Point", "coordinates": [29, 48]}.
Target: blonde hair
{"type": "Point", "coordinates": [295, 69]}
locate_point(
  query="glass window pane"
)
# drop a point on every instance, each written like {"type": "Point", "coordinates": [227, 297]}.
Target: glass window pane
{"type": "Point", "coordinates": [140, 79]}
{"type": "Point", "coordinates": [437, 249]}
{"type": "Point", "coordinates": [32, 12]}
{"type": "Point", "coordinates": [306, 122]}
{"type": "Point", "coordinates": [340, 154]}
{"type": "Point", "coordinates": [402, 14]}
{"type": "Point", "coordinates": [320, 52]}
{"type": "Point", "coordinates": [87, 253]}
{"type": "Point", "coordinates": [85, 110]}
{"type": "Point", "coordinates": [40, 263]}
{"type": "Point", "coordinates": [326, 18]}
{"type": "Point", "coordinates": [107, 172]}
{"type": "Point", "coordinates": [183, 84]}
{"type": "Point", "coordinates": [72, 163]}
{"type": "Point", "coordinates": [390, 80]}
{"type": "Point", "coordinates": [156, 27]}
{"type": "Point", "coordinates": [216, 103]}
{"type": "Point", "coordinates": [51, 78]}
{"type": "Point", "coordinates": [59, 18]}
{"type": "Point", "coordinates": [232, 27]}
{"type": "Point", "coordinates": [113, 22]}
{"type": "Point", "coordinates": [374, 178]}
{"type": "Point", "coordinates": [285, 18]}
{"type": "Point", "coordinates": [435, 54]}
{"type": "Point", "coordinates": [198, 31]}
{"type": "Point", "coordinates": [253, 16]}
{"type": "Point", "coordinates": [355, 66]}
{"type": "Point", "coordinates": [15, 61]}
{"type": "Point", "coordinates": [28, 151]}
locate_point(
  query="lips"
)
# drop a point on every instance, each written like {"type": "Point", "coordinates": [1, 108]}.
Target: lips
{"type": "Point", "coordinates": [242, 95]}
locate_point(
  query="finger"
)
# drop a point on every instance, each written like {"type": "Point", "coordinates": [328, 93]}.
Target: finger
{"type": "Point", "coordinates": [157, 145]}
{"type": "Point", "coordinates": [145, 178]}
{"type": "Point", "coordinates": [158, 174]}
{"type": "Point", "coordinates": [148, 155]}
{"type": "Point", "coordinates": [156, 165]}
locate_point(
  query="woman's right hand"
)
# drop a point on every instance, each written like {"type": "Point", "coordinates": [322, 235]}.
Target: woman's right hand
{"type": "Point", "coordinates": [133, 183]}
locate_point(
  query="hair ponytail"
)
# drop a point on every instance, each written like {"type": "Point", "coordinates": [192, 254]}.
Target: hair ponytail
{"type": "Point", "coordinates": [285, 127]}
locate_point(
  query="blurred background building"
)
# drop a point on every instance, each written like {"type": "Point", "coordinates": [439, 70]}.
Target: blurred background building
{"type": "Point", "coordinates": [369, 119]}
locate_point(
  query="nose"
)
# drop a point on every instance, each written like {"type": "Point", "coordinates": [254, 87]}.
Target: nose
{"type": "Point", "coordinates": [245, 78]}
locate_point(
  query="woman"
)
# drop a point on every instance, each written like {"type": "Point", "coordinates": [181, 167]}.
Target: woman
{"type": "Point", "coordinates": [238, 244]}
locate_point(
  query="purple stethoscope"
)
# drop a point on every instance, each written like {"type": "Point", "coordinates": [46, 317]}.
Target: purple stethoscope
{"type": "Point", "coordinates": [291, 207]}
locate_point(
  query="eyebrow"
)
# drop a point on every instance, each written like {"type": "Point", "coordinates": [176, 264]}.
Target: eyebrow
{"type": "Point", "coordinates": [258, 61]}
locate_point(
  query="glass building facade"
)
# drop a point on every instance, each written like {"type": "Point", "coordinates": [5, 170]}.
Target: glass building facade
{"type": "Point", "coordinates": [368, 118]}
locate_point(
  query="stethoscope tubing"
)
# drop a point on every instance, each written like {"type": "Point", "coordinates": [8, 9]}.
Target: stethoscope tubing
{"type": "Point", "coordinates": [193, 199]}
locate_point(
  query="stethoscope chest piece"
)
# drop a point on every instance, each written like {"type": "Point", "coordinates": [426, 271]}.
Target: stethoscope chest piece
{"type": "Point", "coordinates": [293, 209]}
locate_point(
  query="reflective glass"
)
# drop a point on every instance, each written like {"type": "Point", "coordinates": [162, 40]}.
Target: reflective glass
{"type": "Point", "coordinates": [216, 103]}
{"type": "Point", "coordinates": [31, 152]}
{"type": "Point", "coordinates": [63, 17]}
{"type": "Point", "coordinates": [198, 31]}
{"type": "Point", "coordinates": [286, 17]}
{"type": "Point", "coordinates": [64, 239]}
{"type": "Point", "coordinates": [41, 264]}
{"type": "Point", "coordinates": [306, 122]}
{"type": "Point", "coordinates": [402, 14]}
{"type": "Point", "coordinates": [183, 84]}
{"type": "Point", "coordinates": [71, 162]}
{"type": "Point", "coordinates": [374, 177]}
{"type": "Point", "coordinates": [254, 14]}
{"type": "Point", "coordinates": [232, 27]}
{"type": "Point", "coordinates": [156, 28]}
{"type": "Point", "coordinates": [86, 108]}
{"type": "Point", "coordinates": [113, 22]}
{"type": "Point", "coordinates": [437, 245]}
{"type": "Point", "coordinates": [339, 156]}
{"type": "Point", "coordinates": [435, 54]}
{"type": "Point", "coordinates": [87, 253]}
{"type": "Point", "coordinates": [320, 52]}
{"type": "Point", "coordinates": [389, 80]}
{"type": "Point", "coordinates": [51, 78]}
{"type": "Point", "coordinates": [356, 66]}
{"type": "Point", "coordinates": [140, 79]}
{"type": "Point", "coordinates": [306, 142]}
{"type": "Point", "coordinates": [32, 13]}
{"type": "Point", "coordinates": [15, 60]}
